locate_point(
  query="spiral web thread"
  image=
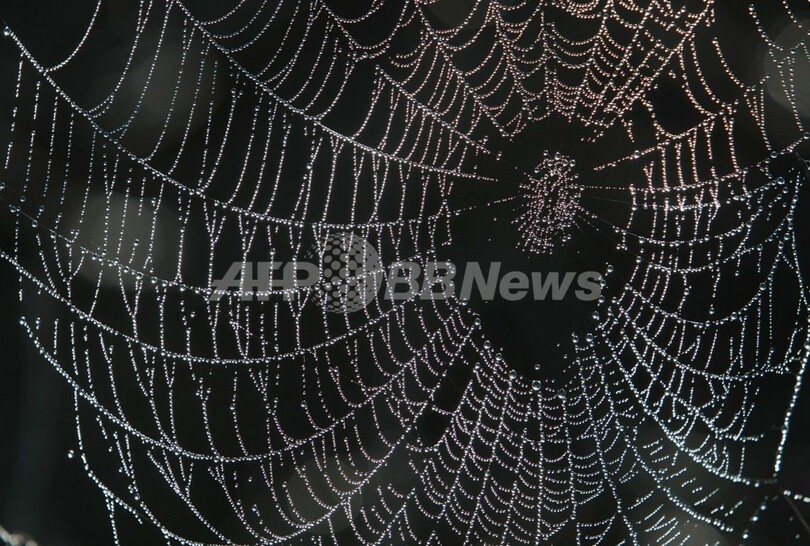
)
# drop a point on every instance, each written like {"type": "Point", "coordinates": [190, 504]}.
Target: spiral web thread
{"type": "Point", "coordinates": [288, 120]}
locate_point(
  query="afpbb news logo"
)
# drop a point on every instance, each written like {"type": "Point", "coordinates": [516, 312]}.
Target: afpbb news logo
{"type": "Point", "coordinates": [345, 274]}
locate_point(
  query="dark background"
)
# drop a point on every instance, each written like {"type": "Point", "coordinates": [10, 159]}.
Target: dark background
{"type": "Point", "coordinates": [47, 495]}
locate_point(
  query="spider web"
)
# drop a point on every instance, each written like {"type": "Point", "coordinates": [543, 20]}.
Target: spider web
{"type": "Point", "coordinates": [244, 134]}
